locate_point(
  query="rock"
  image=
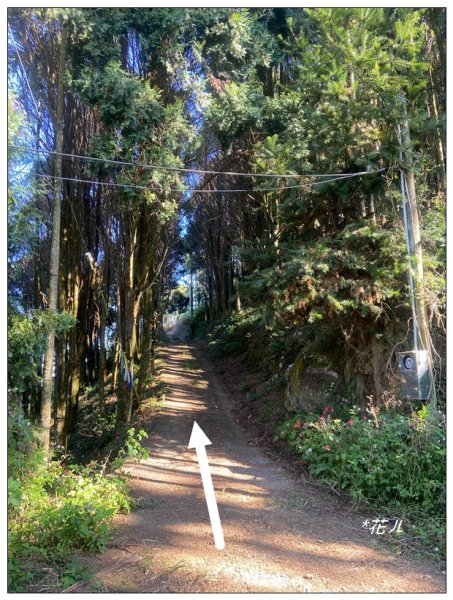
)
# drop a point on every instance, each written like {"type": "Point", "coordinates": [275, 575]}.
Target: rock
{"type": "Point", "coordinates": [309, 388]}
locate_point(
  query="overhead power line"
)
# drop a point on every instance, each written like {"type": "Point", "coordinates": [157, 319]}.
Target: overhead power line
{"type": "Point", "coordinates": [202, 191]}
{"type": "Point", "coordinates": [184, 170]}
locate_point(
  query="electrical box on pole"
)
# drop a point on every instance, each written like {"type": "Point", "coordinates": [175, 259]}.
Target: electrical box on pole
{"type": "Point", "coordinates": [415, 366]}
{"type": "Point", "coordinates": [414, 369]}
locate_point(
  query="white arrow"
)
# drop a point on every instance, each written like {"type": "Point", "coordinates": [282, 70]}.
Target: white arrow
{"type": "Point", "coordinates": [199, 440]}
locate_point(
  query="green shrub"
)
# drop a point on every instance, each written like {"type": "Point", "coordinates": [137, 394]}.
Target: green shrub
{"type": "Point", "coordinates": [131, 448]}
{"type": "Point", "coordinates": [386, 460]}
{"type": "Point", "coordinates": [61, 510]}
{"type": "Point", "coordinates": [237, 333]}
{"type": "Point", "coordinates": [197, 323]}
{"type": "Point", "coordinates": [56, 509]}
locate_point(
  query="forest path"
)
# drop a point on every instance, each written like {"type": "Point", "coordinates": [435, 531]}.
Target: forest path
{"type": "Point", "coordinates": [281, 535]}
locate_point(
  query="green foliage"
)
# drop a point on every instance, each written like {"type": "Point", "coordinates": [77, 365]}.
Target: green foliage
{"type": "Point", "coordinates": [179, 299]}
{"type": "Point", "coordinates": [61, 510]}
{"type": "Point", "coordinates": [73, 573]}
{"type": "Point", "coordinates": [132, 448]}
{"type": "Point", "coordinates": [236, 42]}
{"type": "Point", "coordinates": [237, 112]}
{"type": "Point", "coordinates": [314, 255]}
{"type": "Point", "coordinates": [319, 266]}
{"type": "Point", "coordinates": [26, 345]}
{"type": "Point", "coordinates": [391, 462]}
{"type": "Point", "coordinates": [24, 454]}
{"type": "Point", "coordinates": [199, 325]}
{"type": "Point", "coordinates": [15, 120]}
{"type": "Point", "coordinates": [24, 215]}
{"type": "Point", "coordinates": [57, 508]}
{"type": "Point", "coordinates": [236, 333]}
{"type": "Point", "coordinates": [353, 274]}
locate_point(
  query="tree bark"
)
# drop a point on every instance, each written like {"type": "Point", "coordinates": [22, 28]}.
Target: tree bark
{"type": "Point", "coordinates": [145, 359]}
{"type": "Point", "coordinates": [104, 308]}
{"type": "Point", "coordinates": [131, 307]}
{"type": "Point", "coordinates": [46, 401]}
{"type": "Point", "coordinates": [60, 353]}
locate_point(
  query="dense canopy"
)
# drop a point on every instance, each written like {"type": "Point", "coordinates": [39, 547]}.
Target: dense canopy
{"type": "Point", "coordinates": [312, 261]}
{"type": "Point", "coordinates": [243, 165]}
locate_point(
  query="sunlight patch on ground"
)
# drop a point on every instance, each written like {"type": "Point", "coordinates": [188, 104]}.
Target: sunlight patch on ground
{"type": "Point", "coordinates": [258, 578]}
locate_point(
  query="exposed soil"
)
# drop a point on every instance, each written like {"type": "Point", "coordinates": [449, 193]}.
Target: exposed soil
{"type": "Point", "coordinates": [281, 533]}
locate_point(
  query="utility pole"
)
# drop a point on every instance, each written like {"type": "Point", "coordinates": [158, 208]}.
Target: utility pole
{"type": "Point", "coordinates": [46, 401]}
{"type": "Point", "coordinates": [422, 339]}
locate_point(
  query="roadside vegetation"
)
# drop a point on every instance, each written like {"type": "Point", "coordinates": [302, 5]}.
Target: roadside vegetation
{"type": "Point", "coordinates": [59, 509]}
{"type": "Point", "coordinates": [392, 463]}
{"type": "Point", "coordinates": [245, 166]}
{"type": "Point", "coordinates": [388, 458]}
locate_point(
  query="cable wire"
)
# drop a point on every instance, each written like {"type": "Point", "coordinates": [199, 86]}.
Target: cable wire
{"type": "Point", "coordinates": [203, 191]}
{"type": "Point", "coordinates": [181, 169]}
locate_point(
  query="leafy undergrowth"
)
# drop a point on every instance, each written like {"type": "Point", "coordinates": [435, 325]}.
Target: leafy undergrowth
{"type": "Point", "coordinates": [239, 334]}
{"type": "Point", "coordinates": [394, 464]}
{"type": "Point", "coordinates": [97, 433]}
{"type": "Point", "coordinates": [57, 510]}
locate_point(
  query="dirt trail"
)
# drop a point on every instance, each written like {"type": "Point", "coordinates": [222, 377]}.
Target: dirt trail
{"type": "Point", "coordinates": [281, 535]}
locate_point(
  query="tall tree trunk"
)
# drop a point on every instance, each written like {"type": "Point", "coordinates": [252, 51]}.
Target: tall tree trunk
{"type": "Point", "coordinates": [125, 393]}
{"type": "Point", "coordinates": [432, 107]}
{"type": "Point", "coordinates": [373, 209]}
{"type": "Point", "coordinates": [145, 359]}
{"type": "Point", "coordinates": [131, 308]}
{"type": "Point", "coordinates": [74, 291]}
{"type": "Point", "coordinates": [46, 402]}
{"type": "Point", "coordinates": [73, 408]}
{"type": "Point", "coordinates": [191, 295]}
{"type": "Point", "coordinates": [35, 408]}
{"type": "Point", "coordinates": [104, 307]}
{"type": "Point", "coordinates": [74, 360]}
{"type": "Point", "coordinates": [61, 366]}
{"type": "Point", "coordinates": [210, 295]}
{"type": "Point", "coordinates": [119, 311]}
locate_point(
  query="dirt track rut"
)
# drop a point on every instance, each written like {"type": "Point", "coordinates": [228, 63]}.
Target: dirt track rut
{"type": "Point", "coordinates": [281, 535]}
